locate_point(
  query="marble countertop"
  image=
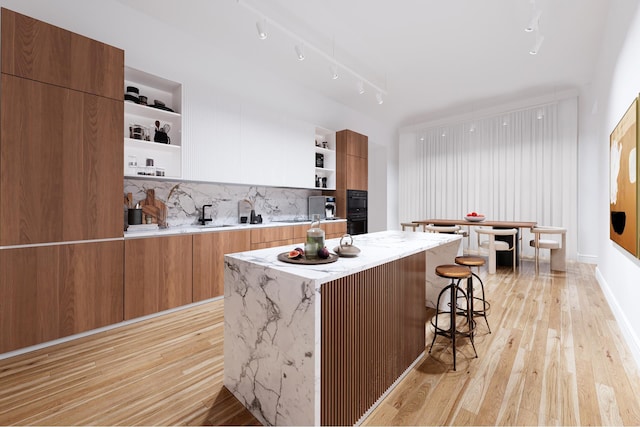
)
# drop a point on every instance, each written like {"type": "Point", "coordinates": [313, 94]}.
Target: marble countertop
{"type": "Point", "coordinates": [194, 228]}
{"type": "Point", "coordinates": [376, 249]}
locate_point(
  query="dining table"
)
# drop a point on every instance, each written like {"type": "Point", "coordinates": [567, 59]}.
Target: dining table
{"type": "Point", "coordinates": [519, 225]}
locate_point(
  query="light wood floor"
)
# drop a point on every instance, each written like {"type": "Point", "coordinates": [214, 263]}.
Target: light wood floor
{"type": "Point", "coordinates": [556, 356]}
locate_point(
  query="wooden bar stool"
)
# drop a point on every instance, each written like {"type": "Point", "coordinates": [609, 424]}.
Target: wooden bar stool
{"type": "Point", "coordinates": [475, 261]}
{"type": "Point", "coordinates": [456, 273]}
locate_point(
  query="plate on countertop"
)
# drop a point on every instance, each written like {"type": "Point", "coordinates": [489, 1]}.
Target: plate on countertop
{"type": "Point", "coordinates": [284, 257]}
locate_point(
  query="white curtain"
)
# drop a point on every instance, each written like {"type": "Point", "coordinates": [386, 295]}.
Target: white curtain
{"type": "Point", "coordinates": [516, 166]}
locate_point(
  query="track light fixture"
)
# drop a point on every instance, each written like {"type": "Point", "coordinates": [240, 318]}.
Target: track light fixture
{"type": "Point", "coordinates": [536, 47]}
{"type": "Point", "coordinates": [533, 24]}
{"type": "Point", "coordinates": [334, 72]}
{"type": "Point", "coordinates": [301, 45]}
{"type": "Point", "coordinates": [260, 26]}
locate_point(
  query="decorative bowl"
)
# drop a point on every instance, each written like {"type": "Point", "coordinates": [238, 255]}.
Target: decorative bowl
{"type": "Point", "coordinates": [478, 218]}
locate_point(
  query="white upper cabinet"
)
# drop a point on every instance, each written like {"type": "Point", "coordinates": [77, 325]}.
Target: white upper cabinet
{"type": "Point", "coordinates": [242, 145]}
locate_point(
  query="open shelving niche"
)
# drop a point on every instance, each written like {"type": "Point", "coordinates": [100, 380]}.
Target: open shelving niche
{"type": "Point", "coordinates": [165, 156]}
{"type": "Point", "coordinates": [329, 153]}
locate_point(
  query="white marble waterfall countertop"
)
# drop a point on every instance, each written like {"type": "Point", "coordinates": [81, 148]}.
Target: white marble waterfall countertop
{"type": "Point", "coordinates": [376, 249]}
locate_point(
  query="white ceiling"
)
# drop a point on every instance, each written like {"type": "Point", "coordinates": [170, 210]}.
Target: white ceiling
{"type": "Point", "coordinates": [433, 57]}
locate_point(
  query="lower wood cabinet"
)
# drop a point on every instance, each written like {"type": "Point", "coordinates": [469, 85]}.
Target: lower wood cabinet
{"type": "Point", "coordinates": [49, 292]}
{"type": "Point", "coordinates": [334, 229]}
{"type": "Point", "coordinates": [208, 260]}
{"type": "Point", "coordinates": [158, 274]}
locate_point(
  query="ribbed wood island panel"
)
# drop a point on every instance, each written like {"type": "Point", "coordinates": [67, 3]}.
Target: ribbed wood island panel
{"type": "Point", "coordinates": [372, 330]}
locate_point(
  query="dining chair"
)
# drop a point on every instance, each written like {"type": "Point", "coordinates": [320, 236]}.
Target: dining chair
{"type": "Point", "coordinates": [557, 248]}
{"type": "Point", "coordinates": [490, 245]}
{"type": "Point", "coordinates": [451, 229]}
{"type": "Point", "coordinates": [412, 225]}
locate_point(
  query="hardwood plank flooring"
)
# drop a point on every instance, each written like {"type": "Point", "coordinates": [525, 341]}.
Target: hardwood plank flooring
{"type": "Point", "coordinates": [556, 356]}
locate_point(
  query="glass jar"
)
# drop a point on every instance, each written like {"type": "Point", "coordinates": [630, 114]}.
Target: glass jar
{"type": "Point", "coordinates": [315, 238]}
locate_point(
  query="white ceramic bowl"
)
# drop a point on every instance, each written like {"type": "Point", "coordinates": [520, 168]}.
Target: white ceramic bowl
{"type": "Point", "coordinates": [478, 218]}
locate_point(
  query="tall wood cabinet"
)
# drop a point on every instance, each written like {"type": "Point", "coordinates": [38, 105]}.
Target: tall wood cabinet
{"type": "Point", "coordinates": [54, 291]}
{"type": "Point", "coordinates": [352, 166]}
{"type": "Point", "coordinates": [61, 133]}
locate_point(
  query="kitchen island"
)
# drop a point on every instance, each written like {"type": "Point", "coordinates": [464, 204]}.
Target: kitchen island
{"type": "Point", "coordinates": [320, 344]}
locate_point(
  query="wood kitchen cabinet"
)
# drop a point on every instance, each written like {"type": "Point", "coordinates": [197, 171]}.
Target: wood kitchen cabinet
{"type": "Point", "coordinates": [208, 260]}
{"type": "Point", "coordinates": [352, 167]}
{"type": "Point", "coordinates": [61, 164]}
{"type": "Point", "coordinates": [49, 292]}
{"type": "Point", "coordinates": [42, 52]}
{"type": "Point", "coordinates": [334, 230]}
{"type": "Point", "coordinates": [352, 163]}
{"type": "Point", "coordinates": [157, 274]}
{"type": "Point", "coordinates": [61, 133]}
{"type": "Point", "coordinates": [271, 236]}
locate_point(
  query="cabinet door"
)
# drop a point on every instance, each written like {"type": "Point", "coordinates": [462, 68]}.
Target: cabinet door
{"type": "Point", "coordinates": [357, 144]}
{"type": "Point", "coordinates": [208, 260]}
{"type": "Point", "coordinates": [61, 160]}
{"type": "Point", "coordinates": [334, 229]}
{"type": "Point", "coordinates": [42, 52]}
{"type": "Point", "coordinates": [50, 292]}
{"type": "Point", "coordinates": [357, 173]}
{"type": "Point", "coordinates": [157, 274]}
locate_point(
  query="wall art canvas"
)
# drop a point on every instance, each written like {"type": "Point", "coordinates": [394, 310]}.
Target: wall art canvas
{"type": "Point", "coordinates": [623, 193]}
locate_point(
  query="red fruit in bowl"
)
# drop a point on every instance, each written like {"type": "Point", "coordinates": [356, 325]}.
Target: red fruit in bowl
{"type": "Point", "coordinates": [323, 253]}
{"type": "Point", "coordinates": [474, 214]}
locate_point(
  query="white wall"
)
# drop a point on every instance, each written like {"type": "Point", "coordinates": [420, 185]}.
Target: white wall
{"type": "Point", "coordinates": [156, 48]}
{"type": "Point", "coordinates": [616, 83]}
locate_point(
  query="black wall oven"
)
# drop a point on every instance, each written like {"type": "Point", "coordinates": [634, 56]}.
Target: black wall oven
{"type": "Point", "coordinates": [356, 212]}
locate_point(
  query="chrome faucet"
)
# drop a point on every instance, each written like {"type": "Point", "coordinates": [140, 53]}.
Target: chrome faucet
{"type": "Point", "coordinates": [204, 219]}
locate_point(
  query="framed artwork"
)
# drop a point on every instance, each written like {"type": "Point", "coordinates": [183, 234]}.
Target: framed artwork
{"type": "Point", "coordinates": [623, 188]}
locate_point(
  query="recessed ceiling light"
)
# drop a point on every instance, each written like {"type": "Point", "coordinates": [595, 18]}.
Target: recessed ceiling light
{"type": "Point", "coordinates": [299, 52]}
{"type": "Point", "coordinates": [379, 98]}
{"type": "Point", "coordinates": [360, 85]}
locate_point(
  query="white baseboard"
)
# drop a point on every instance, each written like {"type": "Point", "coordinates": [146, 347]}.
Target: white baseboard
{"type": "Point", "coordinates": [628, 333]}
{"type": "Point", "coordinates": [588, 259]}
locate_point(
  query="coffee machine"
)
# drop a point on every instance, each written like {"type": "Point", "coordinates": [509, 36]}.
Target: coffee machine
{"type": "Point", "coordinates": [330, 208]}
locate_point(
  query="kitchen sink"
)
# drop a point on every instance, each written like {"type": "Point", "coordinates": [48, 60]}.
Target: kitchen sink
{"type": "Point", "coordinates": [292, 220]}
{"type": "Point", "coordinates": [216, 225]}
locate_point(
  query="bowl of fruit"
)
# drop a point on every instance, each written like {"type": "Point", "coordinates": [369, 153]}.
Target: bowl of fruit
{"type": "Point", "coordinates": [474, 217]}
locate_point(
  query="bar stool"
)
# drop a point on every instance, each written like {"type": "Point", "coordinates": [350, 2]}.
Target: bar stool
{"type": "Point", "coordinates": [456, 273]}
{"type": "Point", "coordinates": [475, 261]}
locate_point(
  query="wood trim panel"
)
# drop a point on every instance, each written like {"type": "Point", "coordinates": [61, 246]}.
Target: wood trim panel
{"type": "Point", "coordinates": [372, 330]}
{"type": "Point", "coordinates": [208, 260]}
{"type": "Point", "coordinates": [50, 292]}
{"type": "Point", "coordinates": [158, 274]}
{"type": "Point", "coordinates": [42, 52]}
{"type": "Point", "coordinates": [61, 160]}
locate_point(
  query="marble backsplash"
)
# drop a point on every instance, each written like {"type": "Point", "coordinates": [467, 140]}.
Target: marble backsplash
{"type": "Point", "coordinates": [184, 200]}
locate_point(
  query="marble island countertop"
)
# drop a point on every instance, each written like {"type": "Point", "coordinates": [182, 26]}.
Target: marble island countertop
{"type": "Point", "coordinates": [376, 249]}
{"type": "Point", "coordinates": [196, 228]}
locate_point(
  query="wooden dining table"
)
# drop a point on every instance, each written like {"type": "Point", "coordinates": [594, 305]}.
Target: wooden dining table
{"type": "Point", "coordinates": [486, 223]}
